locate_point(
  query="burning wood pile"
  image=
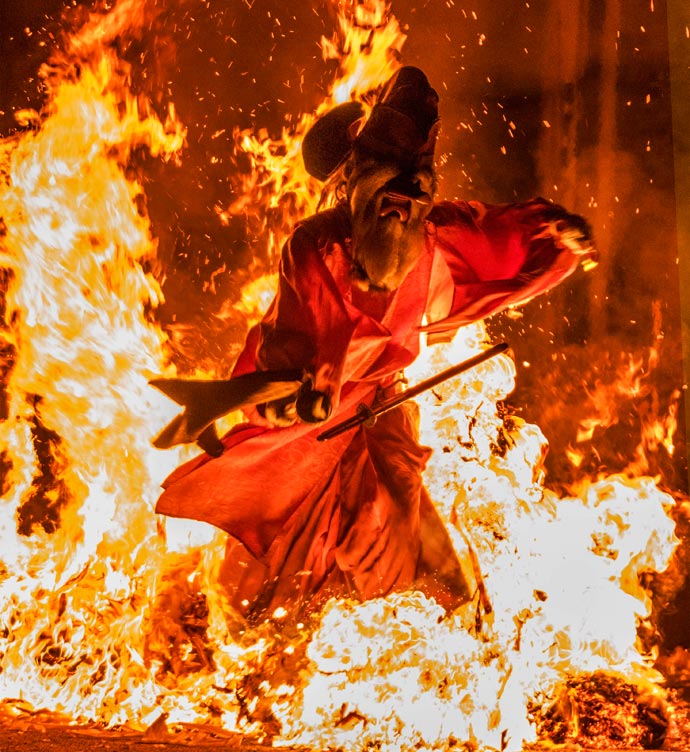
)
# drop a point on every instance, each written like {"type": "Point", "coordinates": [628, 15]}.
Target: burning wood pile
{"type": "Point", "coordinates": [112, 618]}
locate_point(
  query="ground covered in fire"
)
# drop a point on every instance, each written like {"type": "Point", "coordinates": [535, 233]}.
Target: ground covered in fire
{"type": "Point", "coordinates": [56, 738]}
{"type": "Point", "coordinates": [199, 174]}
{"type": "Point", "coordinates": [601, 731]}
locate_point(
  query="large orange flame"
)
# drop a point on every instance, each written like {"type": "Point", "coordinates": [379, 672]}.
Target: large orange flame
{"type": "Point", "coordinates": [76, 242]}
{"type": "Point", "coordinates": [113, 616]}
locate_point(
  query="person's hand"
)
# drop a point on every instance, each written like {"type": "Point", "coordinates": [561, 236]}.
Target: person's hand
{"type": "Point", "coordinates": [566, 221]}
{"type": "Point", "coordinates": [308, 405]}
{"type": "Point", "coordinates": [280, 412]}
{"type": "Point", "coordinates": [312, 406]}
{"type": "Point", "coordinates": [572, 230]}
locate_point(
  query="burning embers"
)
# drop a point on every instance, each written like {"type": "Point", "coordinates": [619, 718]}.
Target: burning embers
{"type": "Point", "coordinates": [603, 711]}
{"type": "Point", "coordinates": [108, 617]}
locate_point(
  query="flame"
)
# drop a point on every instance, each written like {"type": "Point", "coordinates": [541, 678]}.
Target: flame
{"type": "Point", "coordinates": [109, 615]}
{"type": "Point", "coordinates": [628, 387]}
{"type": "Point", "coordinates": [76, 245]}
{"type": "Point", "coordinates": [559, 593]}
{"type": "Point", "coordinates": [277, 191]}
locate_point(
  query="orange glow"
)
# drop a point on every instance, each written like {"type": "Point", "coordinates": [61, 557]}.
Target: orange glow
{"type": "Point", "coordinates": [115, 617]}
{"type": "Point", "coordinates": [278, 190]}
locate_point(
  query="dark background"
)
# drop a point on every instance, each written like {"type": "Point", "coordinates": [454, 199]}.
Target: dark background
{"type": "Point", "coordinates": [575, 100]}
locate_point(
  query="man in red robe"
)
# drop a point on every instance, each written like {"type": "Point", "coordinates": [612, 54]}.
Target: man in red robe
{"type": "Point", "coordinates": [359, 283]}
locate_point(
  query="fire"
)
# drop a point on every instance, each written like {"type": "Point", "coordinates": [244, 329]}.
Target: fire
{"type": "Point", "coordinates": [76, 243]}
{"type": "Point", "coordinates": [112, 616]}
{"type": "Point", "coordinates": [627, 391]}
{"type": "Point", "coordinates": [560, 577]}
{"type": "Point", "coordinates": [278, 191]}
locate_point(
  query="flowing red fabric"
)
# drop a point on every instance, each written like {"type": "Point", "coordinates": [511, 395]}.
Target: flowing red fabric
{"type": "Point", "coordinates": [350, 516]}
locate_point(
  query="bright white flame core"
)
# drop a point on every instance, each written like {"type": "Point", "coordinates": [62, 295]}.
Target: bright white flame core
{"type": "Point", "coordinates": [83, 608]}
{"type": "Point", "coordinates": [561, 576]}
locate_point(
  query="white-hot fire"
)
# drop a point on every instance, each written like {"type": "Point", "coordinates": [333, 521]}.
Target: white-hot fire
{"type": "Point", "coordinates": [75, 243]}
{"type": "Point", "coordinates": [560, 577]}
{"type": "Point", "coordinates": [107, 619]}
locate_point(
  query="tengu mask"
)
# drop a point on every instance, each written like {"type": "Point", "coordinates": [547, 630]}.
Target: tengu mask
{"type": "Point", "coordinates": [390, 179]}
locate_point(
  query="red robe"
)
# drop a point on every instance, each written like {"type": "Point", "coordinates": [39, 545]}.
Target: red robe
{"type": "Point", "coordinates": [309, 519]}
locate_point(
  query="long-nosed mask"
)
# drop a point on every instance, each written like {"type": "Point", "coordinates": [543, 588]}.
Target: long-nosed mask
{"type": "Point", "coordinates": [387, 157]}
{"type": "Point", "coordinates": [389, 208]}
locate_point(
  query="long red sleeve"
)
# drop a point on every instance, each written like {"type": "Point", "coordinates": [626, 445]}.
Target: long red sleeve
{"type": "Point", "coordinates": [308, 324]}
{"type": "Point", "coordinates": [500, 256]}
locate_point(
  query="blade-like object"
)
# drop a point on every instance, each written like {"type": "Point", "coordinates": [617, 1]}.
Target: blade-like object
{"type": "Point", "coordinates": [206, 401]}
{"type": "Point", "coordinates": [367, 415]}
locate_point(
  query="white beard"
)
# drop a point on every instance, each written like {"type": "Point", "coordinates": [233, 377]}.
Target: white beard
{"type": "Point", "coordinates": [385, 247]}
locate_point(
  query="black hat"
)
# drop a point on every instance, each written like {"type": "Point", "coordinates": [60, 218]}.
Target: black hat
{"type": "Point", "coordinates": [402, 127]}
{"type": "Point", "coordinates": [327, 142]}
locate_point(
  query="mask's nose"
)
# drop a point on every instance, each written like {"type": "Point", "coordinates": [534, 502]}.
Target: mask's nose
{"type": "Point", "coordinates": [408, 186]}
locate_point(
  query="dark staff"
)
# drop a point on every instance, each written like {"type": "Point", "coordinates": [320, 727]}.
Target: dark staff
{"type": "Point", "coordinates": [368, 415]}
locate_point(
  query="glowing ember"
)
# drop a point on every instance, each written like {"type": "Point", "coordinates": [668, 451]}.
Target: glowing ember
{"type": "Point", "coordinates": [108, 617]}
